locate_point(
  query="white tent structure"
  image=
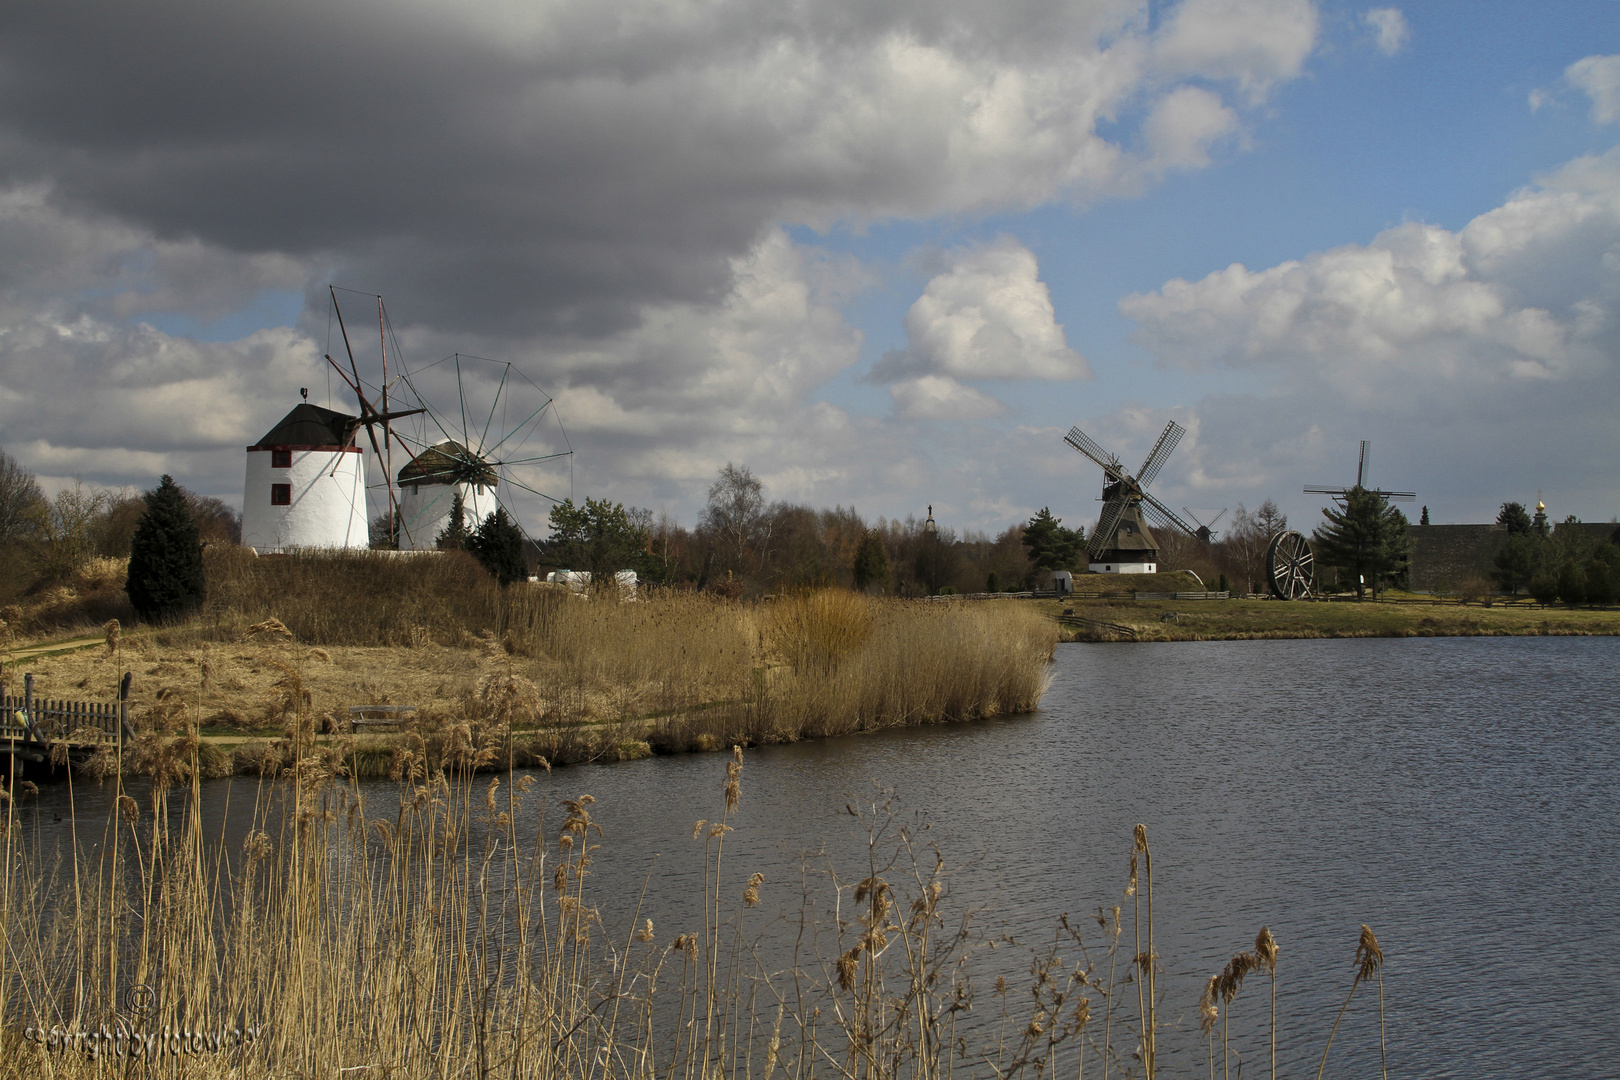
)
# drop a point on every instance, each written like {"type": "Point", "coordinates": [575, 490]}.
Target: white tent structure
{"type": "Point", "coordinates": [305, 485]}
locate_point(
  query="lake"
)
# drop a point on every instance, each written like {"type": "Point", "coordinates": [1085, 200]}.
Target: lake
{"type": "Point", "coordinates": [1460, 795]}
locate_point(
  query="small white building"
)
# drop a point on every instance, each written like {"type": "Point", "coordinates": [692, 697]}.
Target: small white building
{"type": "Point", "coordinates": [579, 581]}
{"type": "Point", "coordinates": [428, 486]}
{"type": "Point", "coordinates": [305, 485]}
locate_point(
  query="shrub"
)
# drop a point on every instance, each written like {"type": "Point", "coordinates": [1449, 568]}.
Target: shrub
{"type": "Point", "coordinates": [498, 545]}
{"type": "Point", "coordinates": [1571, 583]}
{"type": "Point", "coordinates": [165, 557]}
{"type": "Point", "coordinates": [1544, 589]}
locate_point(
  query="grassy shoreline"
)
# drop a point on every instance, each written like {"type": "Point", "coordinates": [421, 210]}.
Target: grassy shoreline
{"type": "Point", "coordinates": [533, 678]}
{"type": "Point", "coordinates": [1401, 616]}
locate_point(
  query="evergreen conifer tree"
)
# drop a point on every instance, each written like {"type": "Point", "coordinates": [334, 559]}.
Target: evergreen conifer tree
{"type": "Point", "coordinates": [498, 545]}
{"type": "Point", "coordinates": [455, 534]}
{"type": "Point", "coordinates": [1366, 537]}
{"type": "Point", "coordinates": [871, 561]}
{"type": "Point", "coordinates": [165, 579]}
{"type": "Point", "coordinates": [1516, 518]}
{"type": "Point", "coordinates": [1517, 562]}
{"type": "Point", "coordinates": [1051, 546]}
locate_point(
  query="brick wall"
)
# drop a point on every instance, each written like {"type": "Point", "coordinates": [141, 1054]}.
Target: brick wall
{"type": "Point", "coordinates": [1452, 553]}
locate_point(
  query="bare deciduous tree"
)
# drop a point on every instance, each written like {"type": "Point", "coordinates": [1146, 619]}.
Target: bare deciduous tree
{"type": "Point", "coordinates": [20, 500]}
{"type": "Point", "coordinates": [65, 530]}
{"type": "Point", "coordinates": [735, 512]}
{"type": "Point", "coordinates": [1245, 542]}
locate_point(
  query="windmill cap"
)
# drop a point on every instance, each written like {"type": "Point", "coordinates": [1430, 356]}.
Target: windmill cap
{"type": "Point", "coordinates": [448, 462]}
{"type": "Point", "coordinates": [308, 427]}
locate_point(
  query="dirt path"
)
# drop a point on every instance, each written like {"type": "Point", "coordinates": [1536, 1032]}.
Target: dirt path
{"type": "Point", "coordinates": [51, 647]}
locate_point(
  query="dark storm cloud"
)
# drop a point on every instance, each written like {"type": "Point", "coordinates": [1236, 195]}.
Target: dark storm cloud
{"type": "Point", "coordinates": [549, 168]}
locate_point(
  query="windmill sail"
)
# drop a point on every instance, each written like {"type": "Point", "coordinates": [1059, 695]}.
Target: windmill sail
{"type": "Point", "coordinates": [1122, 539]}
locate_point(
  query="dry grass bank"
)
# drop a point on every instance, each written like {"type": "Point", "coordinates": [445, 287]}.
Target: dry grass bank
{"type": "Point", "coordinates": [446, 929]}
{"type": "Point", "coordinates": [1227, 620]}
{"type": "Point", "coordinates": [291, 644]}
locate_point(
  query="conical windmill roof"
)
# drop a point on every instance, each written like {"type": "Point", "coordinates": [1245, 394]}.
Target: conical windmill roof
{"type": "Point", "coordinates": [448, 462]}
{"type": "Point", "coordinates": [310, 426]}
{"type": "Point", "coordinates": [1131, 533]}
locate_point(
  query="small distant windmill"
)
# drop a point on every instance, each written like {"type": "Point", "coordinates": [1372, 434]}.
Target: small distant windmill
{"type": "Point", "coordinates": [1122, 543]}
{"type": "Point", "coordinates": [1205, 532]}
{"type": "Point", "coordinates": [1339, 493]}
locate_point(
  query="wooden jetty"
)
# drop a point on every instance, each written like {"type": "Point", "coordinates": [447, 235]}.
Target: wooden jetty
{"type": "Point", "coordinates": [32, 728]}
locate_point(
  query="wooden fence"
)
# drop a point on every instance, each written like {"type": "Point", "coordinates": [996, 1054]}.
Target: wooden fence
{"type": "Point", "coordinates": [42, 721]}
{"type": "Point", "coordinates": [1183, 596]}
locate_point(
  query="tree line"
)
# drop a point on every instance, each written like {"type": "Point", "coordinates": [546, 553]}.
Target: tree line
{"type": "Point", "coordinates": [744, 544]}
{"type": "Point", "coordinates": [1562, 563]}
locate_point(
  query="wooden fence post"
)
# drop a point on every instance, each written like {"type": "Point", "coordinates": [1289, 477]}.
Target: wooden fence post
{"type": "Point", "coordinates": [123, 706]}
{"type": "Point", "coordinates": [28, 708]}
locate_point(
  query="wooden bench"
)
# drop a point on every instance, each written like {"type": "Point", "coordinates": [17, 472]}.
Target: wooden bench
{"type": "Point", "coordinates": [362, 717]}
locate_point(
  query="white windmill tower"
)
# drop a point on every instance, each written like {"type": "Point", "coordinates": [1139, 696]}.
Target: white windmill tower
{"type": "Point", "coordinates": [487, 458]}
{"type": "Point", "coordinates": [429, 484]}
{"type": "Point", "coordinates": [306, 484]}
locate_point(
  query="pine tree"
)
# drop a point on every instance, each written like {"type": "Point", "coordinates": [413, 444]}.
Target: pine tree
{"type": "Point", "coordinates": [165, 579]}
{"type": "Point", "coordinates": [1051, 546]}
{"type": "Point", "coordinates": [871, 561]}
{"type": "Point", "coordinates": [1425, 519]}
{"type": "Point", "coordinates": [1516, 518]}
{"type": "Point", "coordinates": [455, 534]}
{"type": "Point", "coordinates": [498, 545]}
{"type": "Point", "coordinates": [1367, 537]}
{"type": "Point", "coordinates": [1516, 563]}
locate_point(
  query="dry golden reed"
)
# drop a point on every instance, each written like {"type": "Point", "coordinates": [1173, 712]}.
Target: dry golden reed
{"type": "Point", "coordinates": [443, 926]}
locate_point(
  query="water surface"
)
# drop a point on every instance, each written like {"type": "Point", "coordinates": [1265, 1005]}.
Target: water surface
{"type": "Point", "coordinates": [1460, 795]}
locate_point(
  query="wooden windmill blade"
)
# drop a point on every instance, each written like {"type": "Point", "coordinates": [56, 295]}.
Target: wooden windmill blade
{"type": "Point", "coordinates": [1160, 453]}
{"type": "Point", "coordinates": [1166, 515]}
{"type": "Point", "coordinates": [1206, 529]}
{"type": "Point", "coordinates": [1084, 443]}
{"type": "Point", "coordinates": [1107, 522]}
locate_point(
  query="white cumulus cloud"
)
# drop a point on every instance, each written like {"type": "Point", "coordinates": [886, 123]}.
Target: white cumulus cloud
{"type": "Point", "coordinates": [940, 397]}
{"type": "Point", "coordinates": [1599, 78]}
{"type": "Point", "coordinates": [989, 316]}
{"type": "Point", "coordinates": [1389, 29]}
{"type": "Point", "coordinates": [1476, 356]}
{"type": "Point", "coordinates": [1184, 124]}
{"type": "Point", "coordinates": [1255, 43]}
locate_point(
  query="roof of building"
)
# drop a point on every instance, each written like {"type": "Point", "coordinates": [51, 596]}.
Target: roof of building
{"type": "Point", "coordinates": [448, 462]}
{"type": "Point", "coordinates": [1131, 534]}
{"type": "Point", "coordinates": [310, 425]}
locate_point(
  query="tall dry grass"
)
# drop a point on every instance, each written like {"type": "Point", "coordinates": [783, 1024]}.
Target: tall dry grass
{"type": "Point", "coordinates": [570, 678]}
{"type": "Point", "coordinates": [445, 927]}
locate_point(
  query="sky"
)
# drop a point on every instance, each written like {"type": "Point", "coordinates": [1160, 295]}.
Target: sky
{"type": "Point", "coordinates": [882, 255]}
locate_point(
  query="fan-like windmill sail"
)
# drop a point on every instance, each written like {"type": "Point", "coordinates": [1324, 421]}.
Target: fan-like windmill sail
{"type": "Point", "coordinates": [1122, 541]}
{"type": "Point", "coordinates": [489, 435]}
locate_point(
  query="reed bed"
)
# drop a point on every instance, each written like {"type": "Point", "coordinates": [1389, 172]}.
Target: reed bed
{"type": "Point", "coordinates": [542, 677]}
{"type": "Point", "coordinates": [445, 926]}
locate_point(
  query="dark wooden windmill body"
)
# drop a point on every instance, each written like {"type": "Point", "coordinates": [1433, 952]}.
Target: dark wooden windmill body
{"type": "Point", "coordinates": [1123, 541]}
